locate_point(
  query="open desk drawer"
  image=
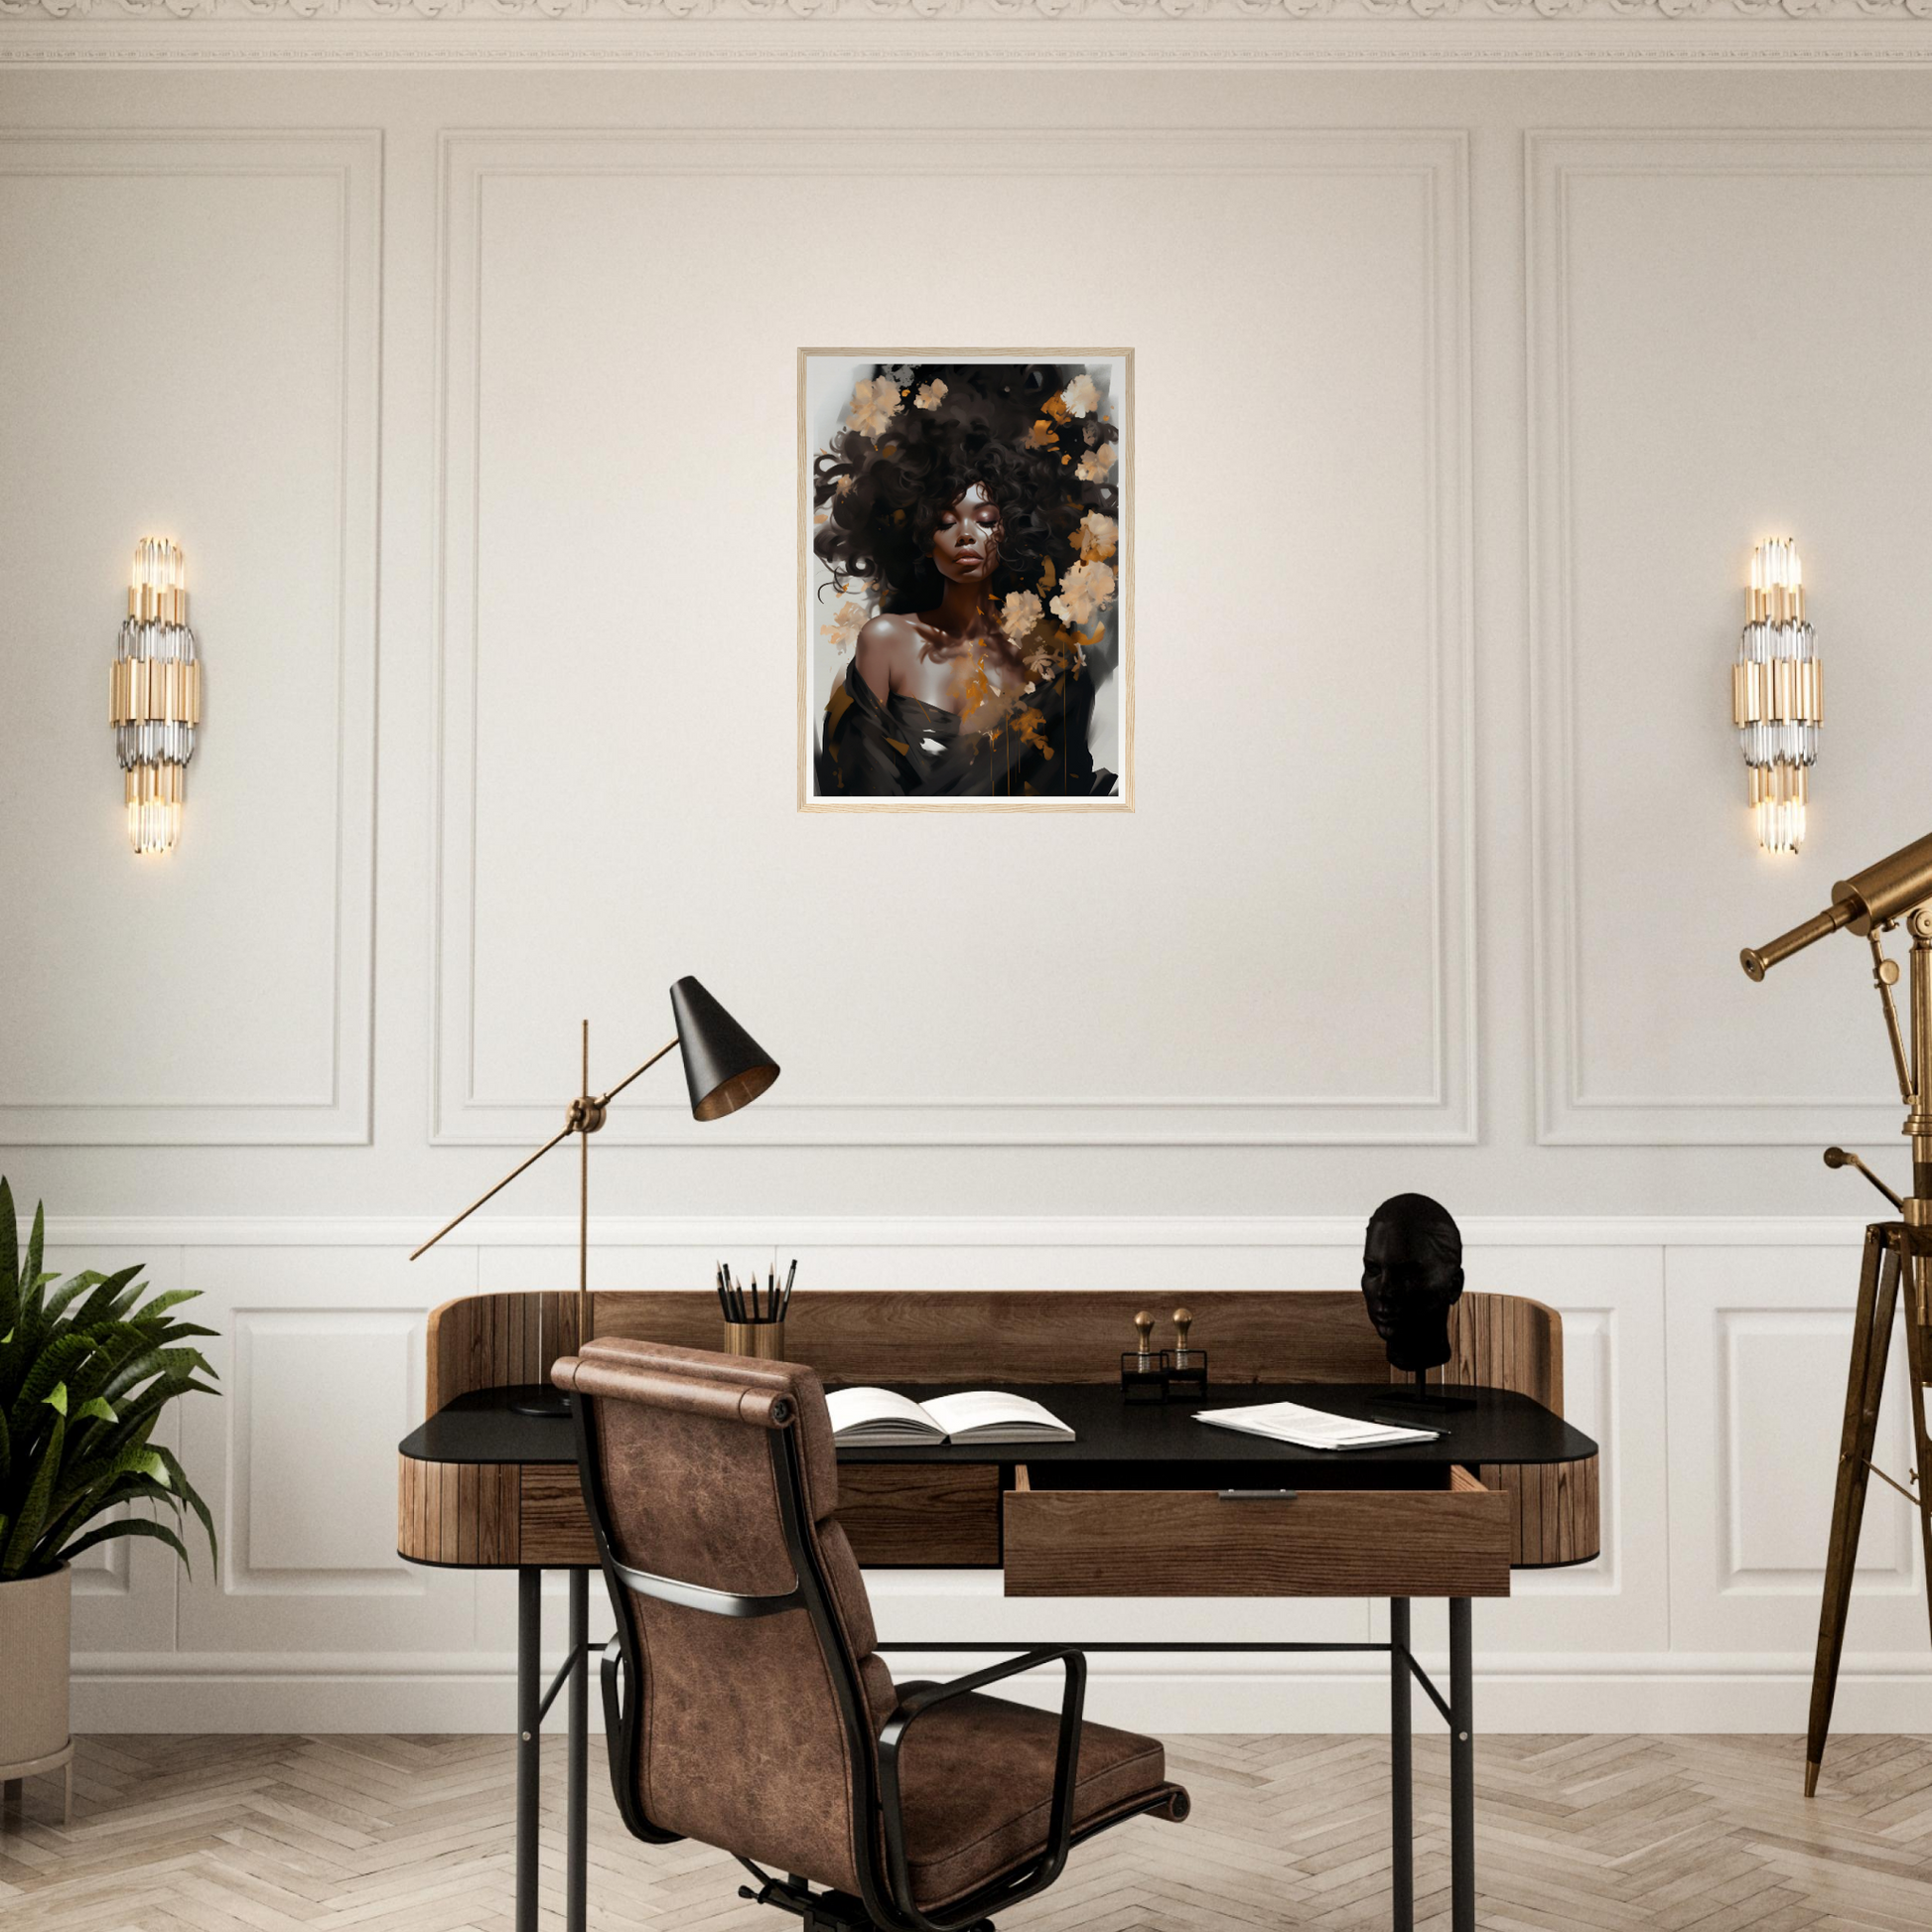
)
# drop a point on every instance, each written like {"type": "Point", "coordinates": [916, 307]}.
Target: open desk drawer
{"type": "Point", "coordinates": [1444, 1534]}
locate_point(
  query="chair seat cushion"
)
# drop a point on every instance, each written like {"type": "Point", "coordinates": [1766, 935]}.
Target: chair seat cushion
{"type": "Point", "coordinates": [976, 1786]}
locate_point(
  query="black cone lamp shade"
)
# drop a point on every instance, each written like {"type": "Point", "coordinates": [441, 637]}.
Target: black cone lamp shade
{"type": "Point", "coordinates": [724, 1067]}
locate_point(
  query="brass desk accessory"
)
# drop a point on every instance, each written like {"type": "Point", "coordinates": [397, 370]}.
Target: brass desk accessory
{"type": "Point", "coordinates": [725, 1069]}
{"type": "Point", "coordinates": [1870, 904]}
{"type": "Point", "coordinates": [1184, 1368]}
{"type": "Point", "coordinates": [1140, 1367]}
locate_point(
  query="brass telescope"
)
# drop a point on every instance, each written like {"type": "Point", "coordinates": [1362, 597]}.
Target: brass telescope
{"type": "Point", "coordinates": [1874, 896]}
{"type": "Point", "coordinates": [1897, 1254]}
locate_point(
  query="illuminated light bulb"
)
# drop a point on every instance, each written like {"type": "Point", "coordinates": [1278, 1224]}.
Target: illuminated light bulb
{"type": "Point", "coordinates": [155, 695]}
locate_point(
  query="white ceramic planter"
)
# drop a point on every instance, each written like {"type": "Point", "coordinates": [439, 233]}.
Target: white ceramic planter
{"type": "Point", "coordinates": [34, 1622]}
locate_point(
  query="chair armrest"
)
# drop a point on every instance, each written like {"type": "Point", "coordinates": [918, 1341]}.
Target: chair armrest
{"type": "Point", "coordinates": [1066, 1764]}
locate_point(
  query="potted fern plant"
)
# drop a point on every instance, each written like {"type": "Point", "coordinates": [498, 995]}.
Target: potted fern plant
{"type": "Point", "coordinates": [87, 1369]}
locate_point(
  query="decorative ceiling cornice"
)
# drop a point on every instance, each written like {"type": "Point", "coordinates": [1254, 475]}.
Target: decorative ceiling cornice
{"type": "Point", "coordinates": [954, 33]}
{"type": "Point", "coordinates": [991, 11]}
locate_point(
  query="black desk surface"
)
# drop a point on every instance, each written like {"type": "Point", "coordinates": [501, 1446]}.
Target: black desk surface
{"type": "Point", "coordinates": [1501, 1426]}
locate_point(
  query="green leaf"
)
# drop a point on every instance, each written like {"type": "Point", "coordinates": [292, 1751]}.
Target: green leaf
{"type": "Point", "coordinates": [132, 1526]}
{"type": "Point", "coordinates": [101, 1411]}
{"type": "Point", "coordinates": [187, 1490]}
{"type": "Point", "coordinates": [173, 1298]}
{"type": "Point", "coordinates": [9, 1256]}
{"type": "Point", "coordinates": [61, 1358]}
{"type": "Point", "coordinates": [30, 1275]}
{"type": "Point", "coordinates": [58, 1400]}
{"type": "Point", "coordinates": [18, 1550]}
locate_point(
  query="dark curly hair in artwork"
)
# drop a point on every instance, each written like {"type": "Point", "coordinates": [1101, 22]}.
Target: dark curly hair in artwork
{"type": "Point", "coordinates": [997, 425]}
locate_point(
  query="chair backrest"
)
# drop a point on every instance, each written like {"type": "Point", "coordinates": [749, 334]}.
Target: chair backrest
{"type": "Point", "coordinates": [711, 1480]}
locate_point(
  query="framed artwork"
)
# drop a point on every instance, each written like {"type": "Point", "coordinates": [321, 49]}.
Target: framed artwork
{"type": "Point", "coordinates": [965, 579]}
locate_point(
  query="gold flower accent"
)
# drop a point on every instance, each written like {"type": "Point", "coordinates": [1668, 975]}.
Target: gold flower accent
{"type": "Point", "coordinates": [1021, 614]}
{"type": "Point", "coordinates": [1095, 537]}
{"type": "Point", "coordinates": [846, 622]}
{"type": "Point", "coordinates": [1079, 396]}
{"type": "Point", "coordinates": [1039, 435]}
{"type": "Point", "coordinates": [1096, 464]}
{"type": "Point", "coordinates": [874, 405]}
{"type": "Point", "coordinates": [1085, 591]}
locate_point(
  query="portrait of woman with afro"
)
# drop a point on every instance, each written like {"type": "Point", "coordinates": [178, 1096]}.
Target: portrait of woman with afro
{"type": "Point", "coordinates": [966, 596]}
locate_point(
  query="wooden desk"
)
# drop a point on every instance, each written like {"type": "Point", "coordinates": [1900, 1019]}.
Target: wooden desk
{"type": "Point", "coordinates": [1131, 1508]}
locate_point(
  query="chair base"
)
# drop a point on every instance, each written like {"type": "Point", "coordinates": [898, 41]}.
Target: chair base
{"type": "Point", "coordinates": [822, 1911]}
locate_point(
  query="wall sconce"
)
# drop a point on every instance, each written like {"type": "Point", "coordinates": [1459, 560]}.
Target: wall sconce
{"type": "Point", "coordinates": [155, 697]}
{"type": "Point", "coordinates": [1778, 694]}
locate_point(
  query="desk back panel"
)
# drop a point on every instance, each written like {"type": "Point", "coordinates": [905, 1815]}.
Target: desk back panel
{"type": "Point", "coordinates": [1500, 1341]}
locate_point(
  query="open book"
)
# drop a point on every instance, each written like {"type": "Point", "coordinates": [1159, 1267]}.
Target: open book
{"type": "Point", "coordinates": [880, 1418]}
{"type": "Point", "coordinates": [1289, 1421]}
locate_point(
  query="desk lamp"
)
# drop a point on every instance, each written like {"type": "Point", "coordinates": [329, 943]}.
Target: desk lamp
{"type": "Point", "coordinates": [725, 1069]}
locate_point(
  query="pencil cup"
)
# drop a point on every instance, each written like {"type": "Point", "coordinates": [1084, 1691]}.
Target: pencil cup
{"type": "Point", "coordinates": [765, 1340]}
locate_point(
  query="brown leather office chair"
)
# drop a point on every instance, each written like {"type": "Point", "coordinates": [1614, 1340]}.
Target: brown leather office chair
{"type": "Point", "coordinates": [753, 1712]}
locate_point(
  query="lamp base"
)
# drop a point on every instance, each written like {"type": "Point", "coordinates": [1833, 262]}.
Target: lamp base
{"type": "Point", "coordinates": [539, 1399]}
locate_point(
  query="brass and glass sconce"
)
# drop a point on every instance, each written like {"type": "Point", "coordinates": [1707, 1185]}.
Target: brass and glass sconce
{"type": "Point", "coordinates": [1778, 694]}
{"type": "Point", "coordinates": [155, 700]}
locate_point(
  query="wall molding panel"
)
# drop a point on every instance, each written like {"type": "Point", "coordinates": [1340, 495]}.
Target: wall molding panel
{"type": "Point", "coordinates": [1431, 164]}
{"type": "Point", "coordinates": [1572, 1107]}
{"type": "Point", "coordinates": [349, 163]}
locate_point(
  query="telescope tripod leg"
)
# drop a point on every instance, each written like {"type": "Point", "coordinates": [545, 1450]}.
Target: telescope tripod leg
{"type": "Point", "coordinates": [1919, 1358]}
{"type": "Point", "coordinates": [1870, 1345]}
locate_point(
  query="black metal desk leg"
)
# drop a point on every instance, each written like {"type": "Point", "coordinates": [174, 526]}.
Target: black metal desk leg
{"type": "Point", "coordinates": [580, 1744]}
{"type": "Point", "coordinates": [529, 1739]}
{"type": "Point", "coordinates": [1463, 1771]}
{"type": "Point", "coordinates": [1402, 1810]}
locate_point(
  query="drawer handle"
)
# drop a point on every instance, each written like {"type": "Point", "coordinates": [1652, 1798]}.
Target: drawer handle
{"type": "Point", "coordinates": [1258, 1495]}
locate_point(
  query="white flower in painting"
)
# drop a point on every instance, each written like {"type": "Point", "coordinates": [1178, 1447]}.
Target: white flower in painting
{"type": "Point", "coordinates": [1085, 591]}
{"type": "Point", "coordinates": [846, 622]}
{"type": "Point", "coordinates": [1093, 467]}
{"type": "Point", "coordinates": [1021, 613]}
{"type": "Point", "coordinates": [1096, 536]}
{"type": "Point", "coordinates": [1080, 396]}
{"type": "Point", "coordinates": [874, 405]}
{"type": "Point", "coordinates": [932, 396]}
{"type": "Point", "coordinates": [930, 745]}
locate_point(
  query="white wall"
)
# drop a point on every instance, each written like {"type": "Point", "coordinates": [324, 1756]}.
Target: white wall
{"type": "Point", "coordinates": [1462, 394]}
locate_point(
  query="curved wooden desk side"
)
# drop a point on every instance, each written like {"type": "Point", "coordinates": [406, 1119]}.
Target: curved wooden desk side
{"type": "Point", "coordinates": [471, 1514]}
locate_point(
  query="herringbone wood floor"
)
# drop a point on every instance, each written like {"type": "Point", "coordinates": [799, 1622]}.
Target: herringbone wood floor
{"type": "Point", "coordinates": [1610, 1833]}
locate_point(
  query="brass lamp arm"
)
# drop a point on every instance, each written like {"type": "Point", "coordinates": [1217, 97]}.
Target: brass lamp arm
{"type": "Point", "coordinates": [605, 1100]}
{"type": "Point", "coordinates": [574, 1124]}
{"type": "Point", "coordinates": [562, 1134]}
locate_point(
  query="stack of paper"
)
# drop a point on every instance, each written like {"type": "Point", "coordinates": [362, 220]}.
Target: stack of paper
{"type": "Point", "coordinates": [1290, 1422]}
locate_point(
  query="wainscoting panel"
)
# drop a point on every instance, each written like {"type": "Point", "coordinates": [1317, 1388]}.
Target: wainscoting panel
{"type": "Point", "coordinates": [1711, 1373]}
{"type": "Point", "coordinates": [1675, 420]}
{"type": "Point", "coordinates": [1320, 663]}
{"type": "Point", "coordinates": [322, 1371]}
{"type": "Point", "coordinates": [1760, 1343]}
{"type": "Point", "coordinates": [199, 312]}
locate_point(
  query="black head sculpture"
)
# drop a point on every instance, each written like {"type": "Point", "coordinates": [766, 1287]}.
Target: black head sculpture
{"type": "Point", "coordinates": [1412, 1276]}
